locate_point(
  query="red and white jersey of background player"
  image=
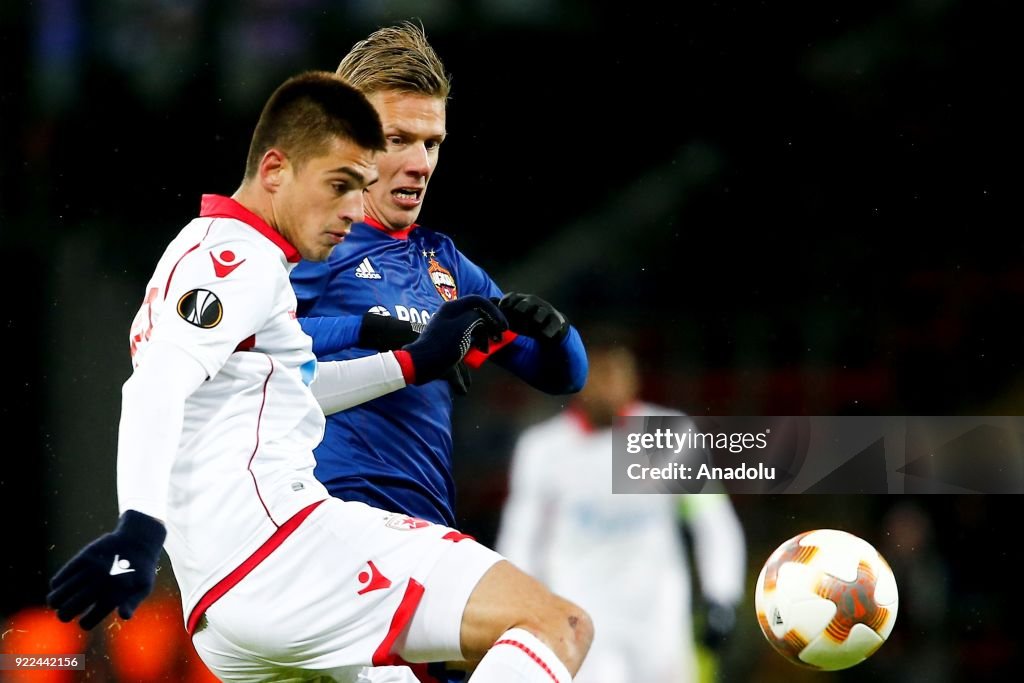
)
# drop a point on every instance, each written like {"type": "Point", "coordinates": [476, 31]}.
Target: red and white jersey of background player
{"type": "Point", "coordinates": [221, 293]}
{"type": "Point", "coordinates": [618, 556]}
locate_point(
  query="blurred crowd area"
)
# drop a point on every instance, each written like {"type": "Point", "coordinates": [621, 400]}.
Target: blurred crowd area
{"type": "Point", "coordinates": [794, 208]}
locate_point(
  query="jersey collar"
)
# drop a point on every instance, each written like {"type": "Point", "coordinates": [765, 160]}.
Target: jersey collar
{"type": "Point", "coordinates": [577, 415]}
{"type": "Point", "coordinates": [217, 206]}
{"type": "Point", "coordinates": [402, 234]}
{"type": "Point", "coordinates": [583, 422]}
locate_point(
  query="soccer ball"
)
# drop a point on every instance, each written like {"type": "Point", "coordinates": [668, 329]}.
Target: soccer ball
{"type": "Point", "coordinates": [826, 599]}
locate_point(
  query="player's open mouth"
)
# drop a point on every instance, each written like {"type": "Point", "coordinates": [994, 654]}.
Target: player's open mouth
{"type": "Point", "coordinates": [407, 196]}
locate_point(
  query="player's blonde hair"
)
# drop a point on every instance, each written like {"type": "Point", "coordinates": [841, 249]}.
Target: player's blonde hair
{"type": "Point", "coordinates": [396, 58]}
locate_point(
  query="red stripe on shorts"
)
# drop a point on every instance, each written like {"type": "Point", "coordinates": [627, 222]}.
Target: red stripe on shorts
{"type": "Point", "coordinates": [241, 571]}
{"type": "Point", "coordinates": [410, 601]}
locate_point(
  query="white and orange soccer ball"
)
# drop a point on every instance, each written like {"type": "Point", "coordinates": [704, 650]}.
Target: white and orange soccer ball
{"type": "Point", "coordinates": [826, 599]}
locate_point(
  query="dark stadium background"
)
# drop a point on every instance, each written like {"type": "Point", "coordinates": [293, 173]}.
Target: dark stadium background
{"type": "Point", "coordinates": [796, 209]}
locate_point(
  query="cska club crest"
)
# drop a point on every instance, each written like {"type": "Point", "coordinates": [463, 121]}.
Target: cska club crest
{"type": "Point", "coordinates": [442, 279]}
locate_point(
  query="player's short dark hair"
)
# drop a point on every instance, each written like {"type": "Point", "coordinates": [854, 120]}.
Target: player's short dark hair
{"type": "Point", "coordinates": [305, 112]}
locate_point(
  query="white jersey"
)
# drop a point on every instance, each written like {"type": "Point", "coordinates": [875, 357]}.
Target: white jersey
{"type": "Point", "coordinates": [221, 294]}
{"type": "Point", "coordinates": [618, 556]}
{"type": "Point", "coordinates": [218, 425]}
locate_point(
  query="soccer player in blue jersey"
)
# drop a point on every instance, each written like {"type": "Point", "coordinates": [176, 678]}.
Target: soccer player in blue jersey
{"type": "Point", "coordinates": [386, 280]}
{"type": "Point", "coordinates": [390, 276]}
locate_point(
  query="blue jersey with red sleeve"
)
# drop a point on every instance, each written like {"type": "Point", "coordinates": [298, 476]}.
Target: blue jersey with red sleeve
{"type": "Point", "coordinates": [395, 452]}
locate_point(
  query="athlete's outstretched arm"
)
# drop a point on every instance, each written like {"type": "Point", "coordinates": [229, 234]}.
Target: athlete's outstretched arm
{"type": "Point", "coordinates": [152, 416]}
{"type": "Point", "coordinates": [720, 558]}
{"type": "Point", "coordinates": [332, 334]}
{"type": "Point", "coordinates": [342, 384]}
{"type": "Point", "coordinates": [444, 342]}
{"type": "Point", "coordinates": [118, 569]}
{"type": "Point", "coordinates": [542, 348]}
{"type": "Point", "coordinates": [552, 367]}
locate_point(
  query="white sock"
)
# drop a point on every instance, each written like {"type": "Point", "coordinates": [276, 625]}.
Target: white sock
{"type": "Point", "coordinates": [518, 656]}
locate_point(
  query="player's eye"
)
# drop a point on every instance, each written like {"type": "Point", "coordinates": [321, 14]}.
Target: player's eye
{"type": "Point", "coordinates": [340, 188]}
{"type": "Point", "coordinates": [396, 140]}
{"type": "Point", "coordinates": [431, 145]}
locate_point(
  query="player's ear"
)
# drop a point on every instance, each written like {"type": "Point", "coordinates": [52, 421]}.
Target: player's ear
{"type": "Point", "coordinates": [272, 169]}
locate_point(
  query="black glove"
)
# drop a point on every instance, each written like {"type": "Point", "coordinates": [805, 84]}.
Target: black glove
{"type": "Point", "coordinates": [719, 622]}
{"type": "Point", "coordinates": [116, 570]}
{"type": "Point", "coordinates": [530, 315]}
{"type": "Point", "coordinates": [468, 321]}
{"type": "Point", "coordinates": [384, 333]}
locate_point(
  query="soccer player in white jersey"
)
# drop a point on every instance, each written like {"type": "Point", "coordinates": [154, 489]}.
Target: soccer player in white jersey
{"type": "Point", "coordinates": [278, 579]}
{"type": "Point", "coordinates": [620, 557]}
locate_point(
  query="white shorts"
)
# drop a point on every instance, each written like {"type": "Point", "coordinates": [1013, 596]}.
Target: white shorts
{"type": "Point", "coordinates": [351, 586]}
{"type": "Point", "coordinates": [391, 674]}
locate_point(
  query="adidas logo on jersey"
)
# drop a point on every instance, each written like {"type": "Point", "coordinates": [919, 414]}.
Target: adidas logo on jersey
{"type": "Point", "coordinates": [365, 270]}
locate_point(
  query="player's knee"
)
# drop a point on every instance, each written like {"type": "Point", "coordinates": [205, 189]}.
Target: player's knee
{"type": "Point", "coordinates": [581, 633]}
{"type": "Point", "coordinates": [567, 629]}
{"type": "Point", "coordinates": [506, 598]}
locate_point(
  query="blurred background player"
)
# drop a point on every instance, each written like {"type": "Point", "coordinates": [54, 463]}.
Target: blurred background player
{"type": "Point", "coordinates": [622, 557]}
{"type": "Point", "coordinates": [389, 277]}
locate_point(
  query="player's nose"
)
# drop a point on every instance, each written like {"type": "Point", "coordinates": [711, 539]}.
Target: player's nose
{"type": "Point", "coordinates": [352, 210]}
{"type": "Point", "coordinates": [417, 161]}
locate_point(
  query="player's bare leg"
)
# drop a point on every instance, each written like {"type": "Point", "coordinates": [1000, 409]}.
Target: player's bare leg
{"type": "Point", "coordinates": [521, 630]}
